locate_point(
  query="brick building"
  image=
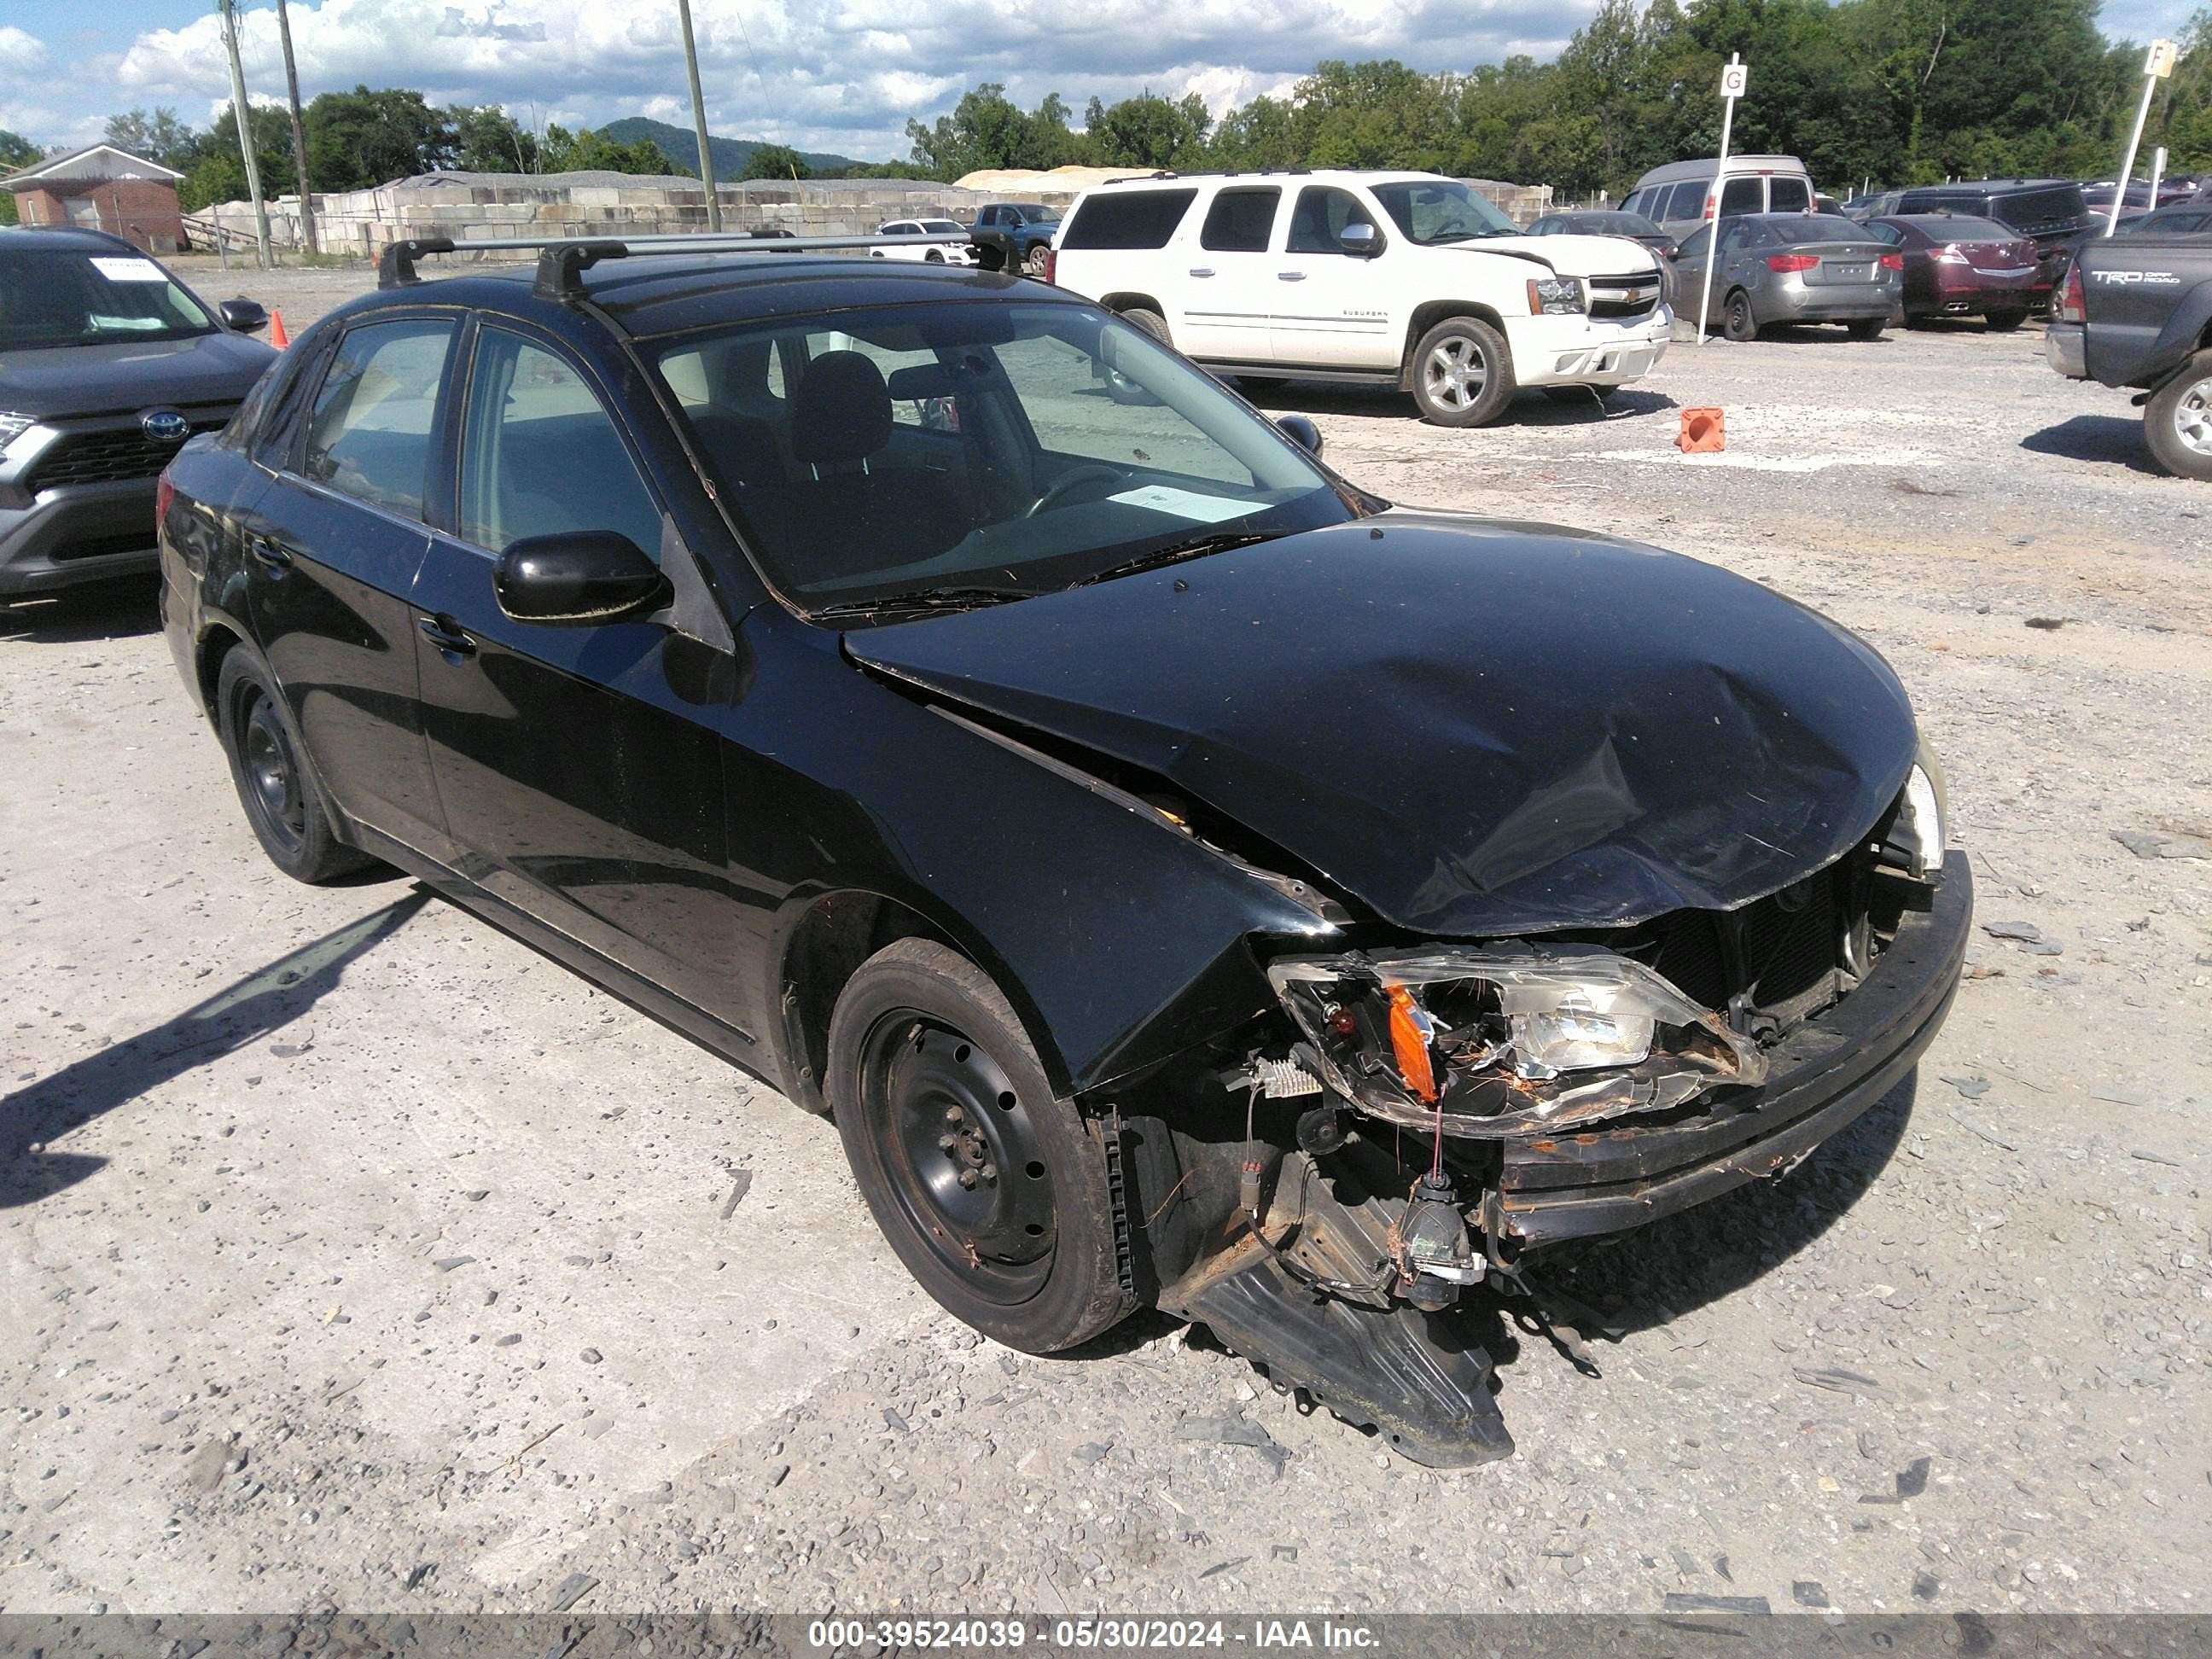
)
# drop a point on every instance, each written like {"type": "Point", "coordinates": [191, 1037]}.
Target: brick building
{"type": "Point", "coordinates": [102, 188]}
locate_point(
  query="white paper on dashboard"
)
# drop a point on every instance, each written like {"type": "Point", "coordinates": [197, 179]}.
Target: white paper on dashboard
{"type": "Point", "coordinates": [129, 270]}
{"type": "Point", "coordinates": [1186, 504]}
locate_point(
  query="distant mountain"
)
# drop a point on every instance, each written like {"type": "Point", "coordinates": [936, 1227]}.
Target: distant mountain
{"type": "Point", "coordinates": [681, 146]}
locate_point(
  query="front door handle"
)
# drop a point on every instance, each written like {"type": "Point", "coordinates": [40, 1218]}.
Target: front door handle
{"type": "Point", "coordinates": [269, 552]}
{"type": "Point", "coordinates": [1202, 271]}
{"type": "Point", "coordinates": [1291, 275]}
{"type": "Point", "coordinates": [446, 633]}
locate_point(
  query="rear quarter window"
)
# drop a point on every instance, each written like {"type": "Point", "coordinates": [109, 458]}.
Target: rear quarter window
{"type": "Point", "coordinates": [1128, 219]}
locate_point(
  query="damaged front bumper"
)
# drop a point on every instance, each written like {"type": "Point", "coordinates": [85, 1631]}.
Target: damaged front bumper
{"type": "Point", "coordinates": [1819, 1079]}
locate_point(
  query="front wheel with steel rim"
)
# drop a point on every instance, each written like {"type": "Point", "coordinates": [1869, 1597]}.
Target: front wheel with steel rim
{"type": "Point", "coordinates": [283, 801]}
{"type": "Point", "coordinates": [1462, 373]}
{"type": "Point", "coordinates": [987, 1183]}
{"type": "Point", "coordinates": [2178, 420]}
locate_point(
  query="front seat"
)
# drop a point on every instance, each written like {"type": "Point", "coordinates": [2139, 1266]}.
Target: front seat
{"type": "Point", "coordinates": [853, 512]}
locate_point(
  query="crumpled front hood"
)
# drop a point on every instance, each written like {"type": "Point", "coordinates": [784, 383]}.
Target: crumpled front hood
{"type": "Point", "coordinates": [1571, 256]}
{"type": "Point", "coordinates": [118, 376]}
{"type": "Point", "coordinates": [1472, 728]}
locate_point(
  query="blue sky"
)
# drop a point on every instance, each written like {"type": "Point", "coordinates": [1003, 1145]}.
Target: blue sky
{"type": "Point", "coordinates": [835, 74]}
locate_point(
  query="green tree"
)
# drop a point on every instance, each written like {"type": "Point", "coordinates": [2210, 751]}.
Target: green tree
{"type": "Point", "coordinates": [586, 151]}
{"type": "Point", "coordinates": [217, 173]}
{"type": "Point", "coordinates": [776, 161]}
{"type": "Point", "coordinates": [1264, 133]}
{"type": "Point", "coordinates": [160, 136]}
{"type": "Point", "coordinates": [986, 129]}
{"type": "Point", "coordinates": [15, 151]}
{"type": "Point", "coordinates": [487, 139]}
{"type": "Point", "coordinates": [1149, 131]}
{"type": "Point", "coordinates": [362, 138]}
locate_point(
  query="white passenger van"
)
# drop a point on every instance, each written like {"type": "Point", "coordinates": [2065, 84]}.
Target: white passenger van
{"type": "Point", "coordinates": [1683, 195]}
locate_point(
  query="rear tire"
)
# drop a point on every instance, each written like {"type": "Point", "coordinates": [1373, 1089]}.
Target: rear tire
{"type": "Point", "coordinates": [986, 1183]}
{"type": "Point", "coordinates": [290, 816]}
{"type": "Point", "coordinates": [2003, 322]}
{"type": "Point", "coordinates": [1035, 259]}
{"type": "Point", "coordinates": [1737, 321]}
{"type": "Point", "coordinates": [2178, 420]}
{"type": "Point", "coordinates": [1149, 320]}
{"type": "Point", "coordinates": [1866, 328]}
{"type": "Point", "coordinates": [1462, 373]}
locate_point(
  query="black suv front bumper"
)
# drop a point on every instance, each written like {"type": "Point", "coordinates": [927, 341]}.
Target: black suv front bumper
{"type": "Point", "coordinates": [1823, 1076]}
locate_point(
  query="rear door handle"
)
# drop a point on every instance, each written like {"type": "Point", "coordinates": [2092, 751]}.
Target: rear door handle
{"type": "Point", "coordinates": [1202, 271]}
{"type": "Point", "coordinates": [269, 552]}
{"type": "Point", "coordinates": [1291, 275]}
{"type": "Point", "coordinates": [446, 633]}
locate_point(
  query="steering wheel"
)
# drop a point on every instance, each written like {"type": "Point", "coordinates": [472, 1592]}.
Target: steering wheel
{"type": "Point", "coordinates": [1089, 472]}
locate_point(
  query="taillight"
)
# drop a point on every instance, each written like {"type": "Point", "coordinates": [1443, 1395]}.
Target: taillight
{"type": "Point", "coordinates": [1786, 263]}
{"type": "Point", "coordinates": [1893, 261]}
{"type": "Point", "coordinates": [1052, 264]}
{"type": "Point", "coordinates": [1950, 254]}
{"type": "Point", "coordinates": [2072, 299]}
{"type": "Point", "coordinates": [164, 493]}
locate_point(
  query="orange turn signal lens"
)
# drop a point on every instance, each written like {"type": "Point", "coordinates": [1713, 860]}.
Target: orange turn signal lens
{"type": "Point", "coordinates": [1409, 1045]}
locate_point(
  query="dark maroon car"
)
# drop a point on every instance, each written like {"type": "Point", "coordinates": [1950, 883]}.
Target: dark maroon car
{"type": "Point", "coordinates": [1956, 266]}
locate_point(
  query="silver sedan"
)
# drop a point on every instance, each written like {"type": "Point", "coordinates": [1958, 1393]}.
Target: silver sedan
{"type": "Point", "coordinates": [1781, 268]}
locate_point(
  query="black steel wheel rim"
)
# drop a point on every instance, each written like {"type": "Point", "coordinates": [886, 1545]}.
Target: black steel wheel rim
{"type": "Point", "coordinates": [1739, 313]}
{"type": "Point", "coordinates": [960, 1153]}
{"type": "Point", "coordinates": [272, 775]}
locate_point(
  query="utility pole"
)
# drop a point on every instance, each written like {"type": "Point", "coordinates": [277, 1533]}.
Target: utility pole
{"type": "Point", "coordinates": [243, 114]}
{"type": "Point", "coordinates": [699, 120]}
{"type": "Point", "coordinates": [299, 132]}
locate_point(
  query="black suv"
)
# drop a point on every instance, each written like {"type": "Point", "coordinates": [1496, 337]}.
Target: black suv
{"type": "Point", "coordinates": [1189, 879]}
{"type": "Point", "coordinates": [107, 364]}
{"type": "Point", "coordinates": [2049, 212]}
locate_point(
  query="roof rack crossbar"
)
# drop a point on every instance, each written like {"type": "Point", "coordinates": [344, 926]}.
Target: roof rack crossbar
{"type": "Point", "coordinates": [563, 260]}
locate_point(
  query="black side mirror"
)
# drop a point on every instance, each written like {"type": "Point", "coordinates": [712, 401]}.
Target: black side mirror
{"type": "Point", "coordinates": [1363, 241]}
{"type": "Point", "coordinates": [1302, 432]}
{"type": "Point", "coordinates": [580, 576]}
{"type": "Point", "coordinates": [244, 316]}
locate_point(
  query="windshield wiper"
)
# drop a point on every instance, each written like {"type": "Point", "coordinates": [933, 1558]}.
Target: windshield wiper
{"type": "Point", "coordinates": [1225, 541]}
{"type": "Point", "coordinates": [920, 599]}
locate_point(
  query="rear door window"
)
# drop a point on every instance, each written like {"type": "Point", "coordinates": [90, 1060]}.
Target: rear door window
{"type": "Point", "coordinates": [1742, 195]}
{"type": "Point", "coordinates": [1128, 219]}
{"type": "Point", "coordinates": [1687, 199]}
{"type": "Point", "coordinates": [375, 412]}
{"type": "Point", "coordinates": [1787, 196]}
{"type": "Point", "coordinates": [1240, 221]}
{"type": "Point", "coordinates": [541, 455]}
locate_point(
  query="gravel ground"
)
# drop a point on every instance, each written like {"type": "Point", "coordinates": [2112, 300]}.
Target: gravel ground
{"type": "Point", "coordinates": [353, 1255]}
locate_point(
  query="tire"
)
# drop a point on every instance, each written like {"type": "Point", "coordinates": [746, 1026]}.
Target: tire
{"type": "Point", "coordinates": [2178, 420]}
{"type": "Point", "coordinates": [1737, 321]}
{"type": "Point", "coordinates": [286, 806]}
{"type": "Point", "coordinates": [931, 1078]}
{"type": "Point", "coordinates": [1149, 320]}
{"type": "Point", "coordinates": [2003, 322]}
{"type": "Point", "coordinates": [1600, 395]}
{"type": "Point", "coordinates": [1033, 262]}
{"type": "Point", "coordinates": [1462, 373]}
{"type": "Point", "coordinates": [1866, 328]}
{"type": "Point", "coordinates": [932, 258]}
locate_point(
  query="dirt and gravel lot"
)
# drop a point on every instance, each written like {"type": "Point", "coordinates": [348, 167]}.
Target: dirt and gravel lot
{"type": "Point", "coordinates": [351, 1254]}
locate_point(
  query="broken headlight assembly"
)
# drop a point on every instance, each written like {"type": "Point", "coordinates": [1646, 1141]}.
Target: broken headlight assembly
{"type": "Point", "coordinates": [1917, 836]}
{"type": "Point", "coordinates": [1507, 1040]}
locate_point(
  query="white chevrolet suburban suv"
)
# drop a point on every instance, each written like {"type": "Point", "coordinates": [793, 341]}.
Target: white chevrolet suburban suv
{"type": "Point", "coordinates": [1401, 279]}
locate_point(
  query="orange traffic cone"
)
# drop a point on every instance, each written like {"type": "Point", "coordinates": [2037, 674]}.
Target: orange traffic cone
{"type": "Point", "coordinates": [277, 336]}
{"type": "Point", "coordinates": [1704, 430]}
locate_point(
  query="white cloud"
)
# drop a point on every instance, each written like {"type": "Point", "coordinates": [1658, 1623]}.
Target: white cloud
{"type": "Point", "coordinates": [842, 74]}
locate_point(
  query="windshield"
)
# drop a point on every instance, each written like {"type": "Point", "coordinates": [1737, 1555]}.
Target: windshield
{"type": "Point", "coordinates": [1791, 229]}
{"type": "Point", "coordinates": [1433, 210]}
{"type": "Point", "coordinates": [965, 452]}
{"type": "Point", "coordinates": [1037, 213]}
{"type": "Point", "coordinates": [64, 296]}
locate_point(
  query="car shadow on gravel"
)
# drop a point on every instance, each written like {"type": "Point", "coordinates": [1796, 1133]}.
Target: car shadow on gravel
{"type": "Point", "coordinates": [1530, 408]}
{"type": "Point", "coordinates": [2110, 438]}
{"type": "Point", "coordinates": [243, 1012]}
{"type": "Point", "coordinates": [108, 610]}
{"type": "Point", "coordinates": [1647, 1277]}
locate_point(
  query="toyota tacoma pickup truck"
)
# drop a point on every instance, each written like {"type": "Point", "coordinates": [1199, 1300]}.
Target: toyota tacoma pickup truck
{"type": "Point", "coordinates": [1395, 279]}
{"type": "Point", "coordinates": [2137, 311]}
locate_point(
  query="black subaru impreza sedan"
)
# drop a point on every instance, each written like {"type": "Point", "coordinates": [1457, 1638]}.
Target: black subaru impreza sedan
{"type": "Point", "coordinates": [1189, 880]}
